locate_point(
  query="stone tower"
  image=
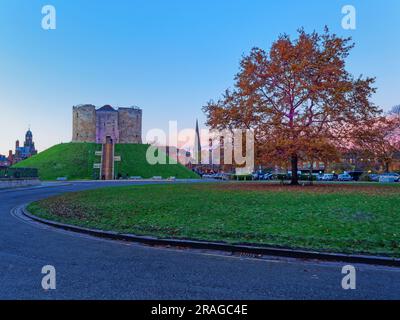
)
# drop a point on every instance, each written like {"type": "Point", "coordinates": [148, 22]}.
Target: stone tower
{"type": "Point", "coordinates": [84, 123]}
{"type": "Point", "coordinates": [130, 125]}
{"type": "Point", "coordinates": [122, 125]}
{"type": "Point", "coordinates": [107, 124]}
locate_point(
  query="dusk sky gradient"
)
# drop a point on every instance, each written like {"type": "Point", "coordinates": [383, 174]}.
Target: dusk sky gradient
{"type": "Point", "coordinates": [168, 57]}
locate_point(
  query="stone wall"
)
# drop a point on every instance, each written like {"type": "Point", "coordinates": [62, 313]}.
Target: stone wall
{"type": "Point", "coordinates": [90, 125]}
{"type": "Point", "coordinates": [84, 123]}
{"type": "Point", "coordinates": [130, 125]}
{"type": "Point", "coordinates": [107, 125]}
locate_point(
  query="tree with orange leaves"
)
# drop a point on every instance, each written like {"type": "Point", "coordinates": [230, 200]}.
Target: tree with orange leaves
{"type": "Point", "coordinates": [380, 141]}
{"type": "Point", "coordinates": [296, 98]}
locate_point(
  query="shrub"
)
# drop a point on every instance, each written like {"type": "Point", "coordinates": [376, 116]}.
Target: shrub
{"type": "Point", "coordinates": [282, 176]}
{"type": "Point", "coordinates": [241, 177]}
{"type": "Point", "coordinates": [307, 177]}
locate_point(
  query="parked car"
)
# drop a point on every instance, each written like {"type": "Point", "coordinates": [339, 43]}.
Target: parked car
{"type": "Point", "coordinates": [317, 176]}
{"type": "Point", "coordinates": [225, 176]}
{"type": "Point", "coordinates": [313, 177]}
{"type": "Point", "coordinates": [268, 176]}
{"type": "Point", "coordinates": [261, 175]}
{"type": "Point", "coordinates": [394, 175]}
{"type": "Point", "coordinates": [356, 174]}
{"type": "Point", "coordinates": [328, 177]}
{"type": "Point", "coordinates": [257, 175]}
{"type": "Point", "coordinates": [374, 177]}
{"type": "Point", "coordinates": [345, 177]}
{"type": "Point", "coordinates": [209, 176]}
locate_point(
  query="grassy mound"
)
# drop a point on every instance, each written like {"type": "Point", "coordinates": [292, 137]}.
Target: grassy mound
{"type": "Point", "coordinates": [75, 161]}
{"type": "Point", "coordinates": [325, 218]}
{"type": "Point", "coordinates": [134, 163]}
{"type": "Point", "coordinates": [72, 160]}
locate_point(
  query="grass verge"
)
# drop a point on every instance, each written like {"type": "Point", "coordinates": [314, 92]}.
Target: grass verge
{"type": "Point", "coordinates": [335, 218]}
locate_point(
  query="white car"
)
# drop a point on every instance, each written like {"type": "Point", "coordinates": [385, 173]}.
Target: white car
{"type": "Point", "coordinates": [395, 176]}
{"type": "Point", "coordinates": [328, 177]}
{"type": "Point", "coordinates": [345, 177]}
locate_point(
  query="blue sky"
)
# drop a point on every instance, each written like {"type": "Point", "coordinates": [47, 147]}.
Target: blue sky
{"type": "Point", "coordinates": [168, 57]}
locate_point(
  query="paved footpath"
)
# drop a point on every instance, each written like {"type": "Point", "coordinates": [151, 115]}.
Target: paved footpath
{"type": "Point", "coordinates": [91, 268]}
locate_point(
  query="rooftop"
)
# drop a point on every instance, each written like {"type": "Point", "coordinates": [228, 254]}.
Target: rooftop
{"type": "Point", "coordinates": [107, 107]}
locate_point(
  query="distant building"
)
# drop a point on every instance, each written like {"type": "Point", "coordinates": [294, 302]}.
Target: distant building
{"type": "Point", "coordinates": [4, 161]}
{"type": "Point", "coordinates": [122, 125]}
{"type": "Point", "coordinates": [22, 152]}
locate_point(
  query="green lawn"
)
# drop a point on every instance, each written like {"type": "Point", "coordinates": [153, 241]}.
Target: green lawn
{"type": "Point", "coordinates": [339, 218]}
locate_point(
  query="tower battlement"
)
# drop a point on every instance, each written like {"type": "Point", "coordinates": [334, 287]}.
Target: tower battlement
{"type": "Point", "coordinates": [91, 124]}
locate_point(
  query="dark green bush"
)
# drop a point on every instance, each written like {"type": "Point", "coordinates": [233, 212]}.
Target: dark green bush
{"type": "Point", "coordinates": [306, 177]}
{"type": "Point", "coordinates": [241, 177]}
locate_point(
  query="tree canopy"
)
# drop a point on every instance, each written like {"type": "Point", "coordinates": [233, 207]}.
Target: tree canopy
{"type": "Point", "coordinates": [298, 98]}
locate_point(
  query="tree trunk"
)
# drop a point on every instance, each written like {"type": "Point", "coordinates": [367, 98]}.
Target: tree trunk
{"type": "Point", "coordinates": [387, 166]}
{"type": "Point", "coordinates": [295, 177]}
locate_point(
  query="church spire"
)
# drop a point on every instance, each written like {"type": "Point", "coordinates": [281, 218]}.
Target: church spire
{"type": "Point", "coordinates": [197, 144]}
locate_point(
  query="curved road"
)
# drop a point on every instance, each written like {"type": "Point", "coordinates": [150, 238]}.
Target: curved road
{"type": "Point", "coordinates": [90, 268]}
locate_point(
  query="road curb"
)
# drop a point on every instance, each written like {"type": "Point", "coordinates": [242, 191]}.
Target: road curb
{"type": "Point", "coordinates": [221, 246]}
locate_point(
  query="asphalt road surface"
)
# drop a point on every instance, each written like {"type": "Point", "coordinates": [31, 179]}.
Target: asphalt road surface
{"type": "Point", "coordinates": [91, 268]}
